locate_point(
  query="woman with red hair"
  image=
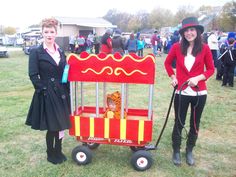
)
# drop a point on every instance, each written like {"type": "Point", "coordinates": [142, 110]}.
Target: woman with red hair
{"type": "Point", "coordinates": [49, 109]}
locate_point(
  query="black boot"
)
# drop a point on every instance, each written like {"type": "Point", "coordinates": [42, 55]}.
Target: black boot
{"type": "Point", "coordinates": [51, 157]}
{"type": "Point", "coordinates": [51, 137]}
{"type": "Point", "coordinates": [59, 154]}
{"type": "Point", "coordinates": [189, 156]}
{"type": "Point", "coordinates": [176, 157]}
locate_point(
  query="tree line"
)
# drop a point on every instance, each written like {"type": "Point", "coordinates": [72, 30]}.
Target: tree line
{"type": "Point", "coordinates": [159, 17]}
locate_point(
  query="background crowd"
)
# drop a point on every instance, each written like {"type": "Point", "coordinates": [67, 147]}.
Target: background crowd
{"type": "Point", "coordinates": [222, 47]}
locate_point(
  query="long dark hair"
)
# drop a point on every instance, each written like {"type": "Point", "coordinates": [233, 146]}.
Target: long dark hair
{"type": "Point", "coordinates": [197, 44]}
{"type": "Point", "coordinates": [104, 38]}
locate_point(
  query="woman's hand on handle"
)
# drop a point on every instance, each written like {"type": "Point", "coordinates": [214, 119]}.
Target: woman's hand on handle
{"type": "Point", "coordinates": [174, 80]}
{"type": "Point", "coordinates": [193, 81]}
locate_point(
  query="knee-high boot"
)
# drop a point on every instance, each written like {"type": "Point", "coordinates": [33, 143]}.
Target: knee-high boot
{"type": "Point", "coordinates": [176, 143]}
{"type": "Point", "coordinates": [51, 155]}
{"type": "Point", "coordinates": [58, 148]}
{"type": "Point", "coordinates": [176, 159]}
{"type": "Point", "coordinates": [189, 149]}
{"type": "Point", "coordinates": [189, 156]}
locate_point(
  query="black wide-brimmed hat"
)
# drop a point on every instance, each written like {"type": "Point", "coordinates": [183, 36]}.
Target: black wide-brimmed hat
{"type": "Point", "coordinates": [191, 22]}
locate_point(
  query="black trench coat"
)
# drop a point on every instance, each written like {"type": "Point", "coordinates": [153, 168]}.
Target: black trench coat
{"type": "Point", "coordinates": [49, 109]}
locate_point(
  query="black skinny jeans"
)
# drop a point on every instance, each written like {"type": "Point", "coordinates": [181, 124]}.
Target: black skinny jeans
{"type": "Point", "coordinates": [180, 117]}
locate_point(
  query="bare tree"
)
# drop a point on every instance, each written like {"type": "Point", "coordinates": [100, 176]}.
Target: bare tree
{"type": "Point", "coordinates": [227, 18]}
{"type": "Point", "coordinates": [160, 17]}
{"type": "Point", "coordinates": [183, 12]}
{"type": "Point", "coordinates": [9, 30]}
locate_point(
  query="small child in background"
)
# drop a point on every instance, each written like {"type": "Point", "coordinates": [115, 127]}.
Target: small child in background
{"type": "Point", "coordinates": [114, 106]}
{"type": "Point", "coordinates": [141, 44]}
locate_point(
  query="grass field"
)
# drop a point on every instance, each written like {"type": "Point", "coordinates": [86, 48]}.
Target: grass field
{"type": "Point", "coordinates": [23, 150]}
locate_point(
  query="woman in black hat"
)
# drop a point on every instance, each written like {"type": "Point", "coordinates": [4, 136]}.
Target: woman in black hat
{"type": "Point", "coordinates": [194, 65]}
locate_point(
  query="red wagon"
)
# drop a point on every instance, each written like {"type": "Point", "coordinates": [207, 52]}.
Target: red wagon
{"type": "Point", "coordinates": [88, 124]}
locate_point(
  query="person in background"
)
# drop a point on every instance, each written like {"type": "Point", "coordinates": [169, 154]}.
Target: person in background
{"type": "Point", "coordinates": [141, 44]}
{"type": "Point", "coordinates": [204, 37]}
{"type": "Point", "coordinates": [223, 46]}
{"type": "Point", "coordinates": [212, 41]}
{"type": "Point", "coordinates": [174, 38]}
{"type": "Point", "coordinates": [124, 40]}
{"type": "Point", "coordinates": [159, 45]}
{"type": "Point", "coordinates": [117, 43]}
{"type": "Point", "coordinates": [72, 43]}
{"type": "Point", "coordinates": [229, 62]}
{"type": "Point", "coordinates": [194, 65]}
{"type": "Point", "coordinates": [49, 109]}
{"type": "Point", "coordinates": [106, 42]}
{"type": "Point", "coordinates": [164, 43]}
{"type": "Point", "coordinates": [131, 44]}
{"type": "Point", "coordinates": [90, 41]}
{"type": "Point", "coordinates": [96, 43]}
{"type": "Point", "coordinates": [154, 42]}
{"type": "Point", "coordinates": [138, 35]}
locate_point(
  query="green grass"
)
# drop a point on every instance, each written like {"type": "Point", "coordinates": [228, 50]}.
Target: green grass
{"type": "Point", "coordinates": [23, 150]}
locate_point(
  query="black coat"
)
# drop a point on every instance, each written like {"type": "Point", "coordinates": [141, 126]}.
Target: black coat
{"type": "Point", "coordinates": [227, 59]}
{"type": "Point", "coordinates": [49, 109]}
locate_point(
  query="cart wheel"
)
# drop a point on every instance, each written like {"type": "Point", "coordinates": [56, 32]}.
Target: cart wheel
{"type": "Point", "coordinates": [141, 160]}
{"type": "Point", "coordinates": [82, 155]}
{"type": "Point", "coordinates": [92, 145]}
{"type": "Point", "coordinates": [137, 148]}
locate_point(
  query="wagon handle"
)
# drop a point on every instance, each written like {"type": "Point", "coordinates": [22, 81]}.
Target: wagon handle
{"type": "Point", "coordinates": [167, 116]}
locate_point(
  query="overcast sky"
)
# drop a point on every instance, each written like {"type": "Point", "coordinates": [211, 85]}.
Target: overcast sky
{"type": "Point", "coordinates": [22, 13]}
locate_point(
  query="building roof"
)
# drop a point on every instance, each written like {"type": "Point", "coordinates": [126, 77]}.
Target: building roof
{"type": "Point", "coordinates": [84, 21]}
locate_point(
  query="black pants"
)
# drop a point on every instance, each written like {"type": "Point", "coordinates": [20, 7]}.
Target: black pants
{"type": "Point", "coordinates": [181, 104]}
{"type": "Point", "coordinates": [96, 47]}
{"type": "Point", "coordinates": [220, 70]}
{"type": "Point", "coordinates": [140, 52]}
{"type": "Point", "coordinates": [228, 76]}
{"type": "Point", "coordinates": [214, 56]}
{"type": "Point", "coordinates": [72, 47]}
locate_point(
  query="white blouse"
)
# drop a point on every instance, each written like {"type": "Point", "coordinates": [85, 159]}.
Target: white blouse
{"type": "Point", "coordinates": [55, 54]}
{"type": "Point", "coordinates": [188, 62]}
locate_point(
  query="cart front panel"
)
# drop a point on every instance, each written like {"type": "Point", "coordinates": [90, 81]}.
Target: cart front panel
{"type": "Point", "coordinates": [124, 129]}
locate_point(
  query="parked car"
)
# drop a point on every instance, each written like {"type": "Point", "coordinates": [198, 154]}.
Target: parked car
{"type": "Point", "coordinates": [3, 52]}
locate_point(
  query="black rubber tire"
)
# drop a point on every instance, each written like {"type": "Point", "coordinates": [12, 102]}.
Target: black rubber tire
{"type": "Point", "coordinates": [141, 160]}
{"type": "Point", "coordinates": [82, 155]}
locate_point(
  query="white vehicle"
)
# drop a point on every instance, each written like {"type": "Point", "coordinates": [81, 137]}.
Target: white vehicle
{"type": "Point", "coordinates": [3, 52]}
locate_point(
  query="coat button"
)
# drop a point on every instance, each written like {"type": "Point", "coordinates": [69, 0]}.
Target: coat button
{"type": "Point", "coordinates": [63, 96]}
{"type": "Point", "coordinates": [52, 79]}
